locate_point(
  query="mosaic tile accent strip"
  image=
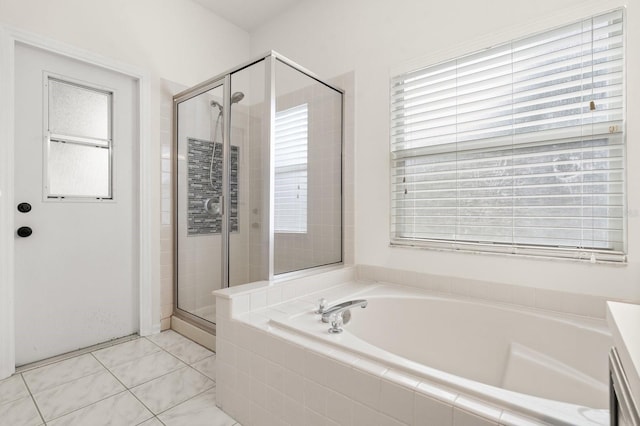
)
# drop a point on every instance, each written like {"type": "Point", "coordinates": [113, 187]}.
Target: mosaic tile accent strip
{"type": "Point", "coordinates": [200, 189]}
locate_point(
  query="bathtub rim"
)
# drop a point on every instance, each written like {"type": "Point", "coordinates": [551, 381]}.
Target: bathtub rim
{"type": "Point", "coordinates": [378, 288]}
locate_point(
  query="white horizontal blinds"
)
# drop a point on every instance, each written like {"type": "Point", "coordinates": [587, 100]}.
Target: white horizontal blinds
{"type": "Point", "coordinates": [291, 147]}
{"type": "Point", "coordinates": [519, 145]}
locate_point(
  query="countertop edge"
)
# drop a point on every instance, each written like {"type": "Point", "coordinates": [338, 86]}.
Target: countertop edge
{"type": "Point", "coordinates": [624, 321]}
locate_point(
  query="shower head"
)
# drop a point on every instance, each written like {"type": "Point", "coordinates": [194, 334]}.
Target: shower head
{"type": "Point", "coordinates": [235, 98]}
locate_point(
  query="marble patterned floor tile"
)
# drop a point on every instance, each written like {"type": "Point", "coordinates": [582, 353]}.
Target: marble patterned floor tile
{"type": "Point", "coordinates": [12, 388]}
{"type": "Point", "coordinates": [125, 352]}
{"type": "Point", "coordinates": [153, 421]}
{"type": "Point", "coordinates": [207, 367]}
{"type": "Point", "coordinates": [198, 411]}
{"type": "Point", "coordinates": [167, 338]}
{"type": "Point", "coordinates": [61, 372]}
{"type": "Point", "coordinates": [147, 368]}
{"type": "Point", "coordinates": [170, 390]}
{"type": "Point", "coordinates": [21, 412]}
{"type": "Point", "coordinates": [63, 399]}
{"type": "Point", "coordinates": [188, 351]}
{"type": "Point", "coordinates": [118, 410]}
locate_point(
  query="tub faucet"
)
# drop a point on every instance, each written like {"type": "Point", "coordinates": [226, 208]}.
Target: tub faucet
{"type": "Point", "coordinates": [341, 307]}
{"type": "Point", "coordinates": [340, 314]}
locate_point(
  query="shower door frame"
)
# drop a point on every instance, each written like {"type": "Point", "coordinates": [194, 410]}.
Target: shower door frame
{"type": "Point", "coordinates": [224, 79]}
{"type": "Point", "coordinates": [225, 82]}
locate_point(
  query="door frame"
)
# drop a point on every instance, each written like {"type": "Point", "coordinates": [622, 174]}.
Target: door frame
{"type": "Point", "coordinates": [148, 260]}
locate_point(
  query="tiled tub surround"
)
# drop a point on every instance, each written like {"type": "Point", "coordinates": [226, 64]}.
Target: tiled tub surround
{"type": "Point", "coordinates": [164, 379]}
{"type": "Point", "coordinates": [272, 371]}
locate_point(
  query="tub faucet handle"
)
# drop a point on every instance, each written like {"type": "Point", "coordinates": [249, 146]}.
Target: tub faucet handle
{"type": "Point", "coordinates": [336, 323]}
{"type": "Point", "coordinates": [322, 305]}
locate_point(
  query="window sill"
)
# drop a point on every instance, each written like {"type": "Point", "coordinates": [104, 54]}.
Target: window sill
{"type": "Point", "coordinates": [552, 254]}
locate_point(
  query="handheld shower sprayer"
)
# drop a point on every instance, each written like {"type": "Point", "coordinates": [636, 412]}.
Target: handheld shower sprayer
{"type": "Point", "coordinates": [235, 98]}
{"type": "Point", "coordinates": [212, 207]}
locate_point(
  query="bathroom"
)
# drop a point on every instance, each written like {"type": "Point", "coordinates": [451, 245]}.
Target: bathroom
{"type": "Point", "coordinates": [356, 46]}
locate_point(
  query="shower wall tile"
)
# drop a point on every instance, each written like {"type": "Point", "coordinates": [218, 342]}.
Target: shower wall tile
{"type": "Point", "coordinates": [322, 243]}
{"type": "Point", "coordinates": [204, 182]}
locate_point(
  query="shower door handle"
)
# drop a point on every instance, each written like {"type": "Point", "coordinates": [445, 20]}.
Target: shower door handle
{"type": "Point", "coordinates": [221, 201]}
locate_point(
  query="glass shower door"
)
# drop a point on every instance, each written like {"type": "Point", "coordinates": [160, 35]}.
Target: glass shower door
{"type": "Point", "coordinates": [249, 180]}
{"type": "Point", "coordinates": [199, 219]}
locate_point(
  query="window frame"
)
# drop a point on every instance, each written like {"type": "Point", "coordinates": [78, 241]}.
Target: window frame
{"type": "Point", "coordinates": [522, 250]}
{"type": "Point", "coordinates": [50, 138]}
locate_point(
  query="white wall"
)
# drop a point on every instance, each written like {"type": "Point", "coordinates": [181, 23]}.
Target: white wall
{"type": "Point", "coordinates": [173, 39]}
{"type": "Point", "coordinates": [375, 38]}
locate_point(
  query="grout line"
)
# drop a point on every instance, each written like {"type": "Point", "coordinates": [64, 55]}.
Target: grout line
{"type": "Point", "coordinates": [166, 374]}
{"type": "Point", "coordinates": [89, 405]}
{"type": "Point", "coordinates": [187, 400]}
{"type": "Point", "coordinates": [74, 354]}
{"type": "Point", "coordinates": [126, 388]}
{"type": "Point", "coordinates": [157, 377]}
{"type": "Point", "coordinates": [166, 349]}
{"type": "Point", "coordinates": [66, 382]}
{"type": "Point", "coordinates": [154, 417]}
{"type": "Point", "coordinates": [125, 362]}
{"type": "Point", "coordinates": [32, 398]}
{"type": "Point", "coordinates": [91, 350]}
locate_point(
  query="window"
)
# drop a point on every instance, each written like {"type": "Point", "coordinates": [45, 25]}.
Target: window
{"type": "Point", "coordinates": [518, 148]}
{"type": "Point", "coordinates": [78, 151]}
{"type": "Point", "coordinates": [291, 130]}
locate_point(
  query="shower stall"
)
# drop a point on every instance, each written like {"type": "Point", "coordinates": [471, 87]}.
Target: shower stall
{"type": "Point", "coordinates": [257, 187]}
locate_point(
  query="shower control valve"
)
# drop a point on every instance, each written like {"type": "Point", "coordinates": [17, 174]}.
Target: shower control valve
{"type": "Point", "coordinates": [212, 207]}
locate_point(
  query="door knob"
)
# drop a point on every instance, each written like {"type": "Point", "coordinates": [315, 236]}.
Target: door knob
{"type": "Point", "coordinates": [24, 231]}
{"type": "Point", "coordinates": [24, 207]}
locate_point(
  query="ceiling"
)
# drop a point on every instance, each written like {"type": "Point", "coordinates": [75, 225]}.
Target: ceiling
{"type": "Point", "coordinates": [247, 14]}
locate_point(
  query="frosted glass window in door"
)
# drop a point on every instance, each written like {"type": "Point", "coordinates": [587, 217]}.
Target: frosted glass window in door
{"type": "Point", "coordinates": [79, 144]}
{"type": "Point", "coordinates": [79, 111]}
{"type": "Point", "coordinates": [77, 170]}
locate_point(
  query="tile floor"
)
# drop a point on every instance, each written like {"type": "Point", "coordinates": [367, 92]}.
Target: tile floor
{"type": "Point", "coordinates": [164, 379]}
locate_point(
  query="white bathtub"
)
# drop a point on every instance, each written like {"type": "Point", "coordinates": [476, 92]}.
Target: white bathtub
{"type": "Point", "coordinates": [547, 366]}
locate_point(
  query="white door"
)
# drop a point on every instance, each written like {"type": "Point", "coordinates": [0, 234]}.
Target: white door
{"type": "Point", "coordinates": [76, 166]}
